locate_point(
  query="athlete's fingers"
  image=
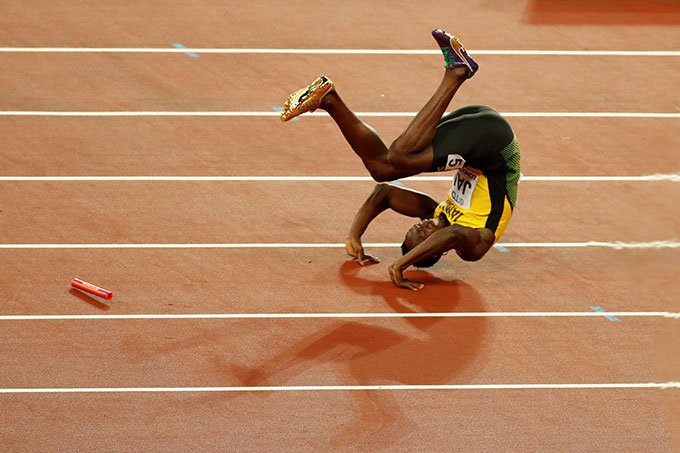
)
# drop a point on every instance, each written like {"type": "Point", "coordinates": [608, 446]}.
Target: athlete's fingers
{"type": "Point", "coordinates": [368, 259]}
{"type": "Point", "coordinates": [361, 256]}
{"type": "Point", "coordinates": [395, 276]}
{"type": "Point", "coordinates": [354, 248]}
{"type": "Point", "coordinates": [415, 286]}
{"type": "Point", "coordinates": [398, 278]}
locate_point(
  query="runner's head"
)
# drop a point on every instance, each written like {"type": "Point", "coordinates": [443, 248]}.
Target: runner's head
{"type": "Point", "coordinates": [417, 234]}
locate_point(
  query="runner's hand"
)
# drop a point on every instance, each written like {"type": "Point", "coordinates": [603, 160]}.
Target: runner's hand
{"type": "Point", "coordinates": [354, 249]}
{"type": "Point", "coordinates": [397, 277]}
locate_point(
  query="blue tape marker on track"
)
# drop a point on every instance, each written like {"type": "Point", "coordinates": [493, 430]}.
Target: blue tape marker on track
{"type": "Point", "coordinates": [397, 183]}
{"type": "Point", "coordinates": [609, 317]}
{"type": "Point", "coordinates": [279, 109]}
{"type": "Point", "coordinates": [500, 248]}
{"type": "Point", "coordinates": [182, 46]}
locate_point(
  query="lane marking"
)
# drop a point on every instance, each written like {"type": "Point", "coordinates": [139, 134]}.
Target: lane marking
{"type": "Point", "coordinates": [185, 50]}
{"type": "Point", "coordinates": [326, 388]}
{"type": "Point", "coordinates": [511, 314]}
{"type": "Point", "coordinates": [607, 315]}
{"type": "Point", "coordinates": [674, 177]}
{"type": "Point", "coordinates": [140, 113]}
{"type": "Point", "coordinates": [655, 177]}
{"type": "Point", "coordinates": [513, 52]}
{"type": "Point", "coordinates": [617, 245]}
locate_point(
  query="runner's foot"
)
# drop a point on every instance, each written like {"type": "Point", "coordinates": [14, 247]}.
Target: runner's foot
{"type": "Point", "coordinates": [306, 99]}
{"type": "Point", "coordinates": [454, 52]}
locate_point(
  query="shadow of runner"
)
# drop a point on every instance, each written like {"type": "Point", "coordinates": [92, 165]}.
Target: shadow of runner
{"type": "Point", "coordinates": [445, 347]}
{"type": "Point", "coordinates": [431, 351]}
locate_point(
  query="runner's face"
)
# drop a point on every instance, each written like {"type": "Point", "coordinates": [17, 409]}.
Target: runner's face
{"type": "Point", "coordinates": [421, 231]}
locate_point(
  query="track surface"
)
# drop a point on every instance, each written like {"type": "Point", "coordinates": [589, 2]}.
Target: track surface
{"type": "Point", "coordinates": [136, 354]}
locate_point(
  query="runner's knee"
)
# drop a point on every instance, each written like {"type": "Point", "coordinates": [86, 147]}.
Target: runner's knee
{"type": "Point", "coordinates": [398, 155]}
{"type": "Point", "coordinates": [380, 172]}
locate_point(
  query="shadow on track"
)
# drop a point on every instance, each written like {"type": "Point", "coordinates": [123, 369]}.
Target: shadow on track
{"type": "Point", "coordinates": [429, 350]}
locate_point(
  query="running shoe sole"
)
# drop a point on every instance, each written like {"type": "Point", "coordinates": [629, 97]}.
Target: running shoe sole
{"type": "Point", "coordinates": [454, 52]}
{"type": "Point", "coordinates": [306, 99]}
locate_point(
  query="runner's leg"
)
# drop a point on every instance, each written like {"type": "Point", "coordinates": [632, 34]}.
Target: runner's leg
{"type": "Point", "coordinates": [413, 148]}
{"type": "Point", "coordinates": [409, 154]}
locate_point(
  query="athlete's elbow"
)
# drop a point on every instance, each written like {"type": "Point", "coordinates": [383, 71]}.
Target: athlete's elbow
{"type": "Point", "coordinates": [453, 237]}
{"type": "Point", "coordinates": [468, 243]}
{"type": "Point", "coordinates": [470, 257]}
{"type": "Point", "coordinates": [461, 239]}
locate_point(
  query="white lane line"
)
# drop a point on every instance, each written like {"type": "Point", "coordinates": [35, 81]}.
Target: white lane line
{"type": "Point", "coordinates": [655, 177]}
{"type": "Point", "coordinates": [512, 52]}
{"type": "Point", "coordinates": [618, 245]}
{"type": "Point", "coordinates": [675, 177]}
{"type": "Point", "coordinates": [327, 388]}
{"type": "Point", "coordinates": [322, 114]}
{"type": "Point", "coordinates": [512, 314]}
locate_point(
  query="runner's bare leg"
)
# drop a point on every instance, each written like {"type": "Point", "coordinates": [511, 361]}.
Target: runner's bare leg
{"type": "Point", "coordinates": [411, 153]}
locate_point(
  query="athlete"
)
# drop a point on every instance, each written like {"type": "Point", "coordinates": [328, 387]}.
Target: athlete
{"type": "Point", "coordinates": [474, 141]}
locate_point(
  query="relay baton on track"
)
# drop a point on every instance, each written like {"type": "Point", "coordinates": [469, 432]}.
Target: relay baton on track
{"type": "Point", "coordinates": [92, 289]}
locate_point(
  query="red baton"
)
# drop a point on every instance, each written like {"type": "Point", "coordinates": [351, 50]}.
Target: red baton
{"type": "Point", "coordinates": [92, 289]}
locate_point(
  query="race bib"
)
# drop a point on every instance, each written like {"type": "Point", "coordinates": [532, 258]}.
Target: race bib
{"type": "Point", "coordinates": [453, 162]}
{"type": "Point", "coordinates": [463, 187]}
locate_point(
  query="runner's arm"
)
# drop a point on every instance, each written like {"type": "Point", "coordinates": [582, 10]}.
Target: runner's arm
{"type": "Point", "coordinates": [407, 202]}
{"type": "Point", "coordinates": [470, 244]}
